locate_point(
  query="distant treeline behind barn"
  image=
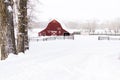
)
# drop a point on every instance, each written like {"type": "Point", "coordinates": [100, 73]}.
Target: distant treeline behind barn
{"type": "Point", "coordinates": [88, 24]}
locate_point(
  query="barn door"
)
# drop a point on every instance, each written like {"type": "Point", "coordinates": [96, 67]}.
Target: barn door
{"type": "Point", "coordinates": [53, 33]}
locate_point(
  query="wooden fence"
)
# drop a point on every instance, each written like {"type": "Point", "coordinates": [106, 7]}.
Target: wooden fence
{"type": "Point", "coordinates": [51, 38]}
{"type": "Point", "coordinates": [104, 34]}
{"type": "Point", "coordinates": [108, 38]}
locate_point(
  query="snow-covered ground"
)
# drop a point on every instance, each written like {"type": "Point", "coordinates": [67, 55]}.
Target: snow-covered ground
{"type": "Point", "coordinates": [85, 58]}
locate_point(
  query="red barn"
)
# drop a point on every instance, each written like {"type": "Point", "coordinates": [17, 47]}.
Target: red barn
{"type": "Point", "coordinates": [54, 28]}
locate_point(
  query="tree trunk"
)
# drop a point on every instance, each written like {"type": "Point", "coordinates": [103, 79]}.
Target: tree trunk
{"type": "Point", "coordinates": [10, 29]}
{"type": "Point", "coordinates": [7, 40]}
{"type": "Point", "coordinates": [3, 28]}
{"type": "Point", "coordinates": [26, 42]}
{"type": "Point", "coordinates": [22, 27]}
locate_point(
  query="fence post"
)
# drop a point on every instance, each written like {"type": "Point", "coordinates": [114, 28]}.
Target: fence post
{"type": "Point", "coordinates": [63, 37]}
{"type": "Point", "coordinates": [73, 37]}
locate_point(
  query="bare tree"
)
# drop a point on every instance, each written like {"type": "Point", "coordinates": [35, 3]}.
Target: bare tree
{"type": "Point", "coordinates": [22, 36]}
{"type": "Point", "coordinates": [116, 25]}
{"type": "Point", "coordinates": [7, 37]}
{"type": "Point", "coordinates": [10, 28]}
{"type": "Point", "coordinates": [3, 27]}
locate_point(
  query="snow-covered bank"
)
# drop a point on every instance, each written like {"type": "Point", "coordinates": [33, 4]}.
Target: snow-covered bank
{"type": "Point", "coordinates": [84, 58]}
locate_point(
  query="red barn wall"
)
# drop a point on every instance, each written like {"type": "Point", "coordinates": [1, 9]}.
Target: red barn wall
{"type": "Point", "coordinates": [53, 28]}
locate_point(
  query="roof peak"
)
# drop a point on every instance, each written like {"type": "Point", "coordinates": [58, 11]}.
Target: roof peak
{"type": "Point", "coordinates": [54, 21]}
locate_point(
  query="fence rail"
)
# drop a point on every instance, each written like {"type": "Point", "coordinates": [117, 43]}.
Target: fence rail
{"type": "Point", "coordinates": [105, 34]}
{"type": "Point", "coordinates": [108, 38]}
{"type": "Point", "coordinates": [51, 38]}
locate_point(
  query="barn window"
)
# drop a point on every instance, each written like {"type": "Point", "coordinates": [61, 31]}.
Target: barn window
{"type": "Point", "coordinates": [48, 31]}
{"type": "Point", "coordinates": [58, 28]}
{"type": "Point", "coordinates": [59, 32]}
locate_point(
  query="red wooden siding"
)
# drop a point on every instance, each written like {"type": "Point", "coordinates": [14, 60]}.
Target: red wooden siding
{"type": "Point", "coordinates": [53, 28]}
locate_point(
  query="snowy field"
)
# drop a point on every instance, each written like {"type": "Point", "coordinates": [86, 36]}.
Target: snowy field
{"type": "Point", "coordinates": [85, 58]}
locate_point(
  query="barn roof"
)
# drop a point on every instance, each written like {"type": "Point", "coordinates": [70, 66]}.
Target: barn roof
{"type": "Point", "coordinates": [53, 25]}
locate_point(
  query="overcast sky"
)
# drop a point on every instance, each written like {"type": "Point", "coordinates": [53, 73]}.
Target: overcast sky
{"type": "Point", "coordinates": [78, 9]}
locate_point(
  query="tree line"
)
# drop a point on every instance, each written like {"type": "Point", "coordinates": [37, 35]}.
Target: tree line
{"type": "Point", "coordinates": [8, 42]}
{"type": "Point", "coordinates": [92, 25]}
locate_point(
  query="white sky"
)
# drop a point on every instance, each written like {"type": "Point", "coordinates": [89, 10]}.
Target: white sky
{"type": "Point", "coordinates": [78, 9]}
